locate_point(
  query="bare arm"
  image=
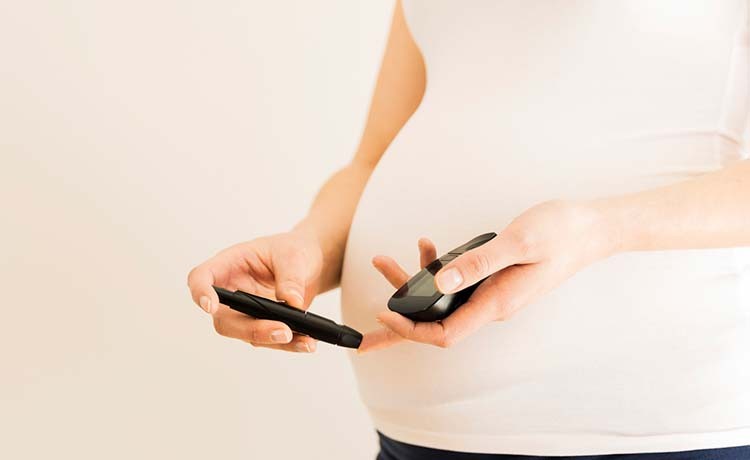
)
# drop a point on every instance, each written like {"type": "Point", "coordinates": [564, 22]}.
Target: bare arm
{"type": "Point", "coordinates": [710, 211]}
{"type": "Point", "coordinates": [551, 241]}
{"type": "Point", "coordinates": [398, 92]}
{"type": "Point", "coordinates": [295, 266]}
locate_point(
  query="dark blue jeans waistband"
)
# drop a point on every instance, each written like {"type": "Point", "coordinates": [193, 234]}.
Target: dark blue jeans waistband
{"type": "Point", "coordinates": [391, 449]}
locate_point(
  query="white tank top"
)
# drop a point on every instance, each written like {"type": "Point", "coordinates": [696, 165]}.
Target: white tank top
{"type": "Point", "coordinates": [528, 101]}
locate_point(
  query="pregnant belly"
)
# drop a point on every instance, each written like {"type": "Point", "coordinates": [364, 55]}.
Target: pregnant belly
{"type": "Point", "coordinates": [630, 326]}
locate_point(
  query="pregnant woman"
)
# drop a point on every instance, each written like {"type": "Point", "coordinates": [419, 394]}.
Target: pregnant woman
{"type": "Point", "coordinates": [606, 143]}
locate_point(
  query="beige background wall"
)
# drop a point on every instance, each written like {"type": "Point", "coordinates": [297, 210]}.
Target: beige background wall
{"type": "Point", "coordinates": [136, 139]}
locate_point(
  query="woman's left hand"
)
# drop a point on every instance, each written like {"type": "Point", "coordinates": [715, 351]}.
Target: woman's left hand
{"type": "Point", "coordinates": [538, 250]}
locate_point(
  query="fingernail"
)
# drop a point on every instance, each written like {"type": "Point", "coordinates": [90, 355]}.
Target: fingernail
{"type": "Point", "coordinates": [205, 303]}
{"type": "Point", "coordinates": [302, 347]}
{"type": "Point", "coordinates": [449, 280]}
{"type": "Point", "coordinates": [281, 336]}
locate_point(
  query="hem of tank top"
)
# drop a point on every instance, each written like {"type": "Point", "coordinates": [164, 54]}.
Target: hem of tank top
{"type": "Point", "coordinates": [568, 444]}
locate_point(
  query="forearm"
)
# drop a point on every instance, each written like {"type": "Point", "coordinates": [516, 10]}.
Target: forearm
{"type": "Point", "coordinates": [330, 217]}
{"type": "Point", "coordinates": [710, 211]}
{"type": "Point", "coordinates": [398, 91]}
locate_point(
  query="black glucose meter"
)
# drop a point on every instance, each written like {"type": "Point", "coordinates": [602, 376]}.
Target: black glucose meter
{"type": "Point", "coordinates": [420, 300]}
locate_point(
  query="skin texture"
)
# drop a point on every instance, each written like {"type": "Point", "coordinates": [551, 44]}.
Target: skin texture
{"type": "Point", "coordinates": [297, 265]}
{"type": "Point", "coordinates": [543, 247]}
{"type": "Point", "coordinates": [536, 252]}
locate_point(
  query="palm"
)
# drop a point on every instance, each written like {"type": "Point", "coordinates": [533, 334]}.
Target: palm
{"type": "Point", "coordinates": [285, 266]}
{"type": "Point", "coordinates": [396, 276]}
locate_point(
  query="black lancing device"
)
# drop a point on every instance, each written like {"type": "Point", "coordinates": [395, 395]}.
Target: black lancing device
{"type": "Point", "coordinates": [300, 321]}
{"type": "Point", "coordinates": [420, 300]}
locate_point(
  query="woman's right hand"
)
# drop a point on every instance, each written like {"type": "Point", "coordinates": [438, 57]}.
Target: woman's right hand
{"type": "Point", "coordinates": [285, 266]}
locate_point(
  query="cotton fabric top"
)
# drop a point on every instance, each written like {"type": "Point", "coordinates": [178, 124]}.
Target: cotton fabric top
{"type": "Point", "coordinates": [528, 101]}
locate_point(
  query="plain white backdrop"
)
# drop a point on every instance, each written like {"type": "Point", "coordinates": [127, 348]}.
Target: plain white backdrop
{"type": "Point", "coordinates": [137, 139]}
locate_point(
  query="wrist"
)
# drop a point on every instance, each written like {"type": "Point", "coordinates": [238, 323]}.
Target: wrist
{"type": "Point", "coordinates": [306, 229]}
{"type": "Point", "coordinates": [330, 254]}
{"type": "Point", "coordinates": [609, 223]}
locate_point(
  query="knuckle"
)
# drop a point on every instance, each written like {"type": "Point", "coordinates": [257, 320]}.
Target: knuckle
{"type": "Point", "coordinates": [219, 325]}
{"type": "Point", "coordinates": [253, 335]}
{"type": "Point", "coordinates": [524, 243]}
{"type": "Point", "coordinates": [446, 341]}
{"type": "Point", "coordinates": [291, 284]}
{"type": "Point", "coordinates": [477, 264]}
{"type": "Point", "coordinates": [191, 275]}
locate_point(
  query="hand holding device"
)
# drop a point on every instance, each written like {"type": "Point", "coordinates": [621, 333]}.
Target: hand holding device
{"type": "Point", "coordinates": [300, 321]}
{"type": "Point", "coordinates": [538, 250]}
{"type": "Point", "coordinates": [419, 298]}
{"type": "Point", "coordinates": [286, 266]}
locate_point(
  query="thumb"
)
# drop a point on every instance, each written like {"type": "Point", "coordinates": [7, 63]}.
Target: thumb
{"type": "Point", "coordinates": [290, 274]}
{"type": "Point", "coordinates": [200, 282]}
{"type": "Point", "coordinates": [477, 264]}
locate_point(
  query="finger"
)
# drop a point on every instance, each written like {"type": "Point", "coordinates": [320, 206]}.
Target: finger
{"type": "Point", "coordinates": [378, 340]}
{"type": "Point", "coordinates": [427, 332]}
{"type": "Point", "coordinates": [468, 318]}
{"type": "Point", "coordinates": [290, 269]}
{"type": "Point", "coordinates": [514, 287]}
{"type": "Point", "coordinates": [236, 325]}
{"type": "Point", "coordinates": [200, 282]}
{"type": "Point", "coordinates": [479, 263]}
{"type": "Point", "coordinates": [299, 344]}
{"type": "Point", "coordinates": [427, 251]}
{"type": "Point", "coordinates": [391, 270]}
